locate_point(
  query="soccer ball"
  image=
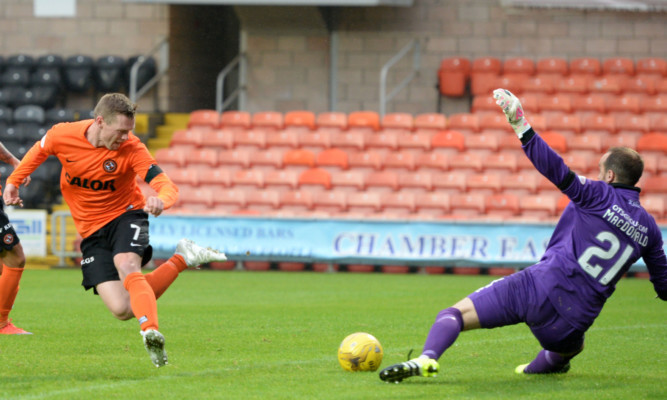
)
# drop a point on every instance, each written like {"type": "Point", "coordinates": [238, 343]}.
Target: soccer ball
{"type": "Point", "coordinates": [360, 352]}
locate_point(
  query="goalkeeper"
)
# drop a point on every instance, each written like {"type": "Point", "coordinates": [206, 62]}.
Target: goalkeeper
{"type": "Point", "coordinates": [601, 233]}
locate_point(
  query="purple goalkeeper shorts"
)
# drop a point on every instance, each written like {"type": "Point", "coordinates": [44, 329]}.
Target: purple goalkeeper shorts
{"type": "Point", "coordinates": [514, 299]}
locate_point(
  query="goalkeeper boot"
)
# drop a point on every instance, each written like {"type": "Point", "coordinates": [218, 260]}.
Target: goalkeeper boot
{"type": "Point", "coordinates": [11, 329]}
{"type": "Point", "coordinates": [521, 369]}
{"type": "Point", "coordinates": [421, 366]}
{"type": "Point", "coordinates": [195, 255]}
{"type": "Point", "coordinates": [154, 343]}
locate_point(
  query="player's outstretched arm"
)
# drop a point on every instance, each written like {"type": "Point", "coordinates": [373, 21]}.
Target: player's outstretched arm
{"type": "Point", "coordinates": [511, 106]}
{"type": "Point", "coordinates": [11, 196]}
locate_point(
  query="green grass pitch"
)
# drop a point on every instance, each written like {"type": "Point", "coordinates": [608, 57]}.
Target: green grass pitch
{"type": "Point", "coordinates": [274, 335]}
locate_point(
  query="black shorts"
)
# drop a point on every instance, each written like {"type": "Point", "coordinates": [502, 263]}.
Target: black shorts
{"type": "Point", "coordinates": [128, 233]}
{"type": "Point", "coordinates": [7, 232]}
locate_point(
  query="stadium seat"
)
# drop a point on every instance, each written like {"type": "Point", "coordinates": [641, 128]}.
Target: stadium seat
{"type": "Point", "coordinates": [579, 162]}
{"type": "Point", "coordinates": [247, 178]}
{"type": "Point", "coordinates": [567, 125]}
{"type": "Point", "coordinates": [267, 160]}
{"type": "Point", "coordinates": [585, 66]}
{"type": "Point", "coordinates": [417, 182]}
{"type": "Point", "coordinates": [250, 139]}
{"type": "Point", "coordinates": [430, 122]}
{"type": "Point", "coordinates": [521, 183]}
{"type": "Point", "coordinates": [583, 105]}
{"type": "Point", "coordinates": [486, 183]}
{"type": "Point", "coordinates": [348, 140]}
{"type": "Point", "coordinates": [622, 139]}
{"type": "Point", "coordinates": [598, 123]}
{"type": "Point", "coordinates": [398, 203]}
{"type": "Point", "coordinates": [365, 203]}
{"type": "Point", "coordinates": [505, 205]}
{"type": "Point", "coordinates": [382, 141]}
{"type": "Point", "coordinates": [449, 182]}
{"type": "Point", "coordinates": [467, 205]}
{"type": "Point", "coordinates": [398, 161]}
{"type": "Point", "coordinates": [556, 140]}
{"type": "Point", "coordinates": [267, 120]}
{"type": "Point", "coordinates": [331, 121]}
{"type": "Point", "coordinates": [432, 162]}
{"type": "Point", "coordinates": [658, 123]}
{"type": "Point", "coordinates": [632, 124]}
{"type": "Point", "coordinates": [654, 204]}
{"type": "Point", "coordinates": [330, 201]}
{"type": "Point", "coordinates": [315, 141]}
{"type": "Point", "coordinates": [315, 179]}
{"type": "Point", "coordinates": [495, 123]}
{"type": "Point", "coordinates": [589, 143]}
{"type": "Point", "coordinates": [639, 85]}
{"type": "Point", "coordinates": [207, 156]}
{"type": "Point", "coordinates": [229, 200]}
{"type": "Point", "coordinates": [145, 72]}
{"type": "Point", "coordinates": [220, 139]}
{"type": "Point", "coordinates": [502, 163]}
{"type": "Point", "coordinates": [196, 198]}
{"type": "Point", "coordinates": [262, 200]}
{"type": "Point", "coordinates": [281, 179]}
{"type": "Point", "coordinates": [187, 138]}
{"type": "Point", "coordinates": [300, 201]}
{"type": "Point", "coordinates": [284, 139]}
{"type": "Point", "coordinates": [651, 163]}
{"type": "Point", "coordinates": [448, 142]}
{"type": "Point", "coordinates": [654, 105]}
{"type": "Point", "coordinates": [540, 207]}
{"type": "Point", "coordinates": [652, 142]}
{"type": "Point", "coordinates": [483, 104]}
{"type": "Point", "coordinates": [531, 103]}
{"type": "Point", "coordinates": [381, 181]}
{"type": "Point", "coordinates": [235, 120]}
{"type": "Point", "coordinates": [334, 157]}
{"type": "Point", "coordinates": [483, 72]}
{"type": "Point", "coordinates": [398, 122]}
{"type": "Point", "coordinates": [466, 162]}
{"type": "Point", "coordinates": [651, 66]}
{"type": "Point", "coordinates": [606, 84]}
{"type": "Point", "coordinates": [618, 66]}
{"type": "Point", "coordinates": [539, 84]}
{"type": "Point", "coordinates": [299, 158]}
{"type": "Point", "coordinates": [364, 160]}
{"type": "Point", "coordinates": [552, 66]}
{"type": "Point", "coordinates": [555, 103]}
{"type": "Point", "coordinates": [213, 177]}
{"type": "Point", "coordinates": [28, 114]}
{"type": "Point", "coordinates": [175, 156]}
{"type": "Point", "coordinates": [482, 143]}
{"type": "Point", "coordinates": [573, 84]}
{"type": "Point", "coordinates": [109, 74]}
{"type": "Point", "coordinates": [363, 121]}
{"type": "Point", "coordinates": [624, 105]}
{"type": "Point", "coordinates": [416, 142]}
{"type": "Point", "coordinates": [453, 76]}
{"type": "Point", "coordinates": [519, 65]}
{"type": "Point", "coordinates": [432, 204]}
{"type": "Point", "coordinates": [46, 84]}
{"type": "Point", "coordinates": [512, 82]}
{"type": "Point", "coordinates": [6, 115]}
{"type": "Point", "coordinates": [234, 158]}
{"type": "Point", "coordinates": [300, 119]}
{"type": "Point", "coordinates": [464, 123]}
{"type": "Point", "coordinates": [348, 181]}
{"type": "Point", "coordinates": [204, 118]}
{"type": "Point", "coordinates": [185, 178]}
{"type": "Point", "coordinates": [78, 73]}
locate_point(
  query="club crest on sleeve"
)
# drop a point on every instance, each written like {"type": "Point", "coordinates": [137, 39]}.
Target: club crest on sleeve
{"type": "Point", "coordinates": [8, 238]}
{"type": "Point", "coordinates": [110, 166]}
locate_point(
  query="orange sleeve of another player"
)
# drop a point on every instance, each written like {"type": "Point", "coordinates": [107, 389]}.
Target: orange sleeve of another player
{"type": "Point", "coordinates": [166, 189]}
{"type": "Point", "coordinates": [32, 159]}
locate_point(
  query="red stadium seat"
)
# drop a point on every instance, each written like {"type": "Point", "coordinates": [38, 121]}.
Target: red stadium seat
{"type": "Point", "coordinates": [552, 66]}
{"type": "Point", "coordinates": [315, 178]}
{"type": "Point", "coordinates": [453, 76]}
{"type": "Point", "coordinates": [449, 182]}
{"type": "Point", "coordinates": [187, 138]}
{"type": "Point", "coordinates": [400, 122]}
{"type": "Point", "coordinates": [464, 122]}
{"type": "Point", "coordinates": [234, 158]}
{"type": "Point", "coordinates": [315, 141]}
{"type": "Point", "coordinates": [495, 122]}
{"type": "Point", "coordinates": [606, 84]}
{"type": "Point", "coordinates": [654, 204]}
{"type": "Point", "coordinates": [484, 104]}
{"type": "Point", "coordinates": [235, 120]}
{"type": "Point", "coordinates": [281, 179]}
{"type": "Point", "coordinates": [482, 143]}
{"type": "Point", "coordinates": [364, 160]}
{"type": "Point", "coordinates": [297, 200]}
{"type": "Point", "coordinates": [565, 124]}
{"type": "Point", "coordinates": [555, 140]}
{"type": "Point", "coordinates": [653, 66]}
{"type": "Point", "coordinates": [573, 84]}
{"type": "Point", "coordinates": [204, 118]}
{"type": "Point", "coordinates": [348, 181]}
{"type": "Point", "coordinates": [267, 120]}
{"type": "Point", "coordinates": [555, 103]}
{"type": "Point", "coordinates": [299, 158]}
{"type": "Point", "coordinates": [585, 66]}
{"type": "Point", "coordinates": [268, 159]}
{"type": "Point", "coordinates": [519, 65]}
{"type": "Point", "coordinates": [432, 161]}
{"type": "Point", "coordinates": [381, 181]}
{"type": "Point", "coordinates": [448, 142]}
{"type": "Point", "coordinates": [334, 157]}
{"type": "Point", "coordinates": [331, 121]}
{"type": "Point", "coordinates": [364, 120]}
{"type": "Point", "coordinates": [541, 84]}
{"type": "Point", "coordinates": [229, 200]}
{"type": "Point", "coordinates": [430, 122]}
{"type": "Point", "coordinates": [501, 163]}
{"type": "Point", "coordinates": [219, 138]}
{"type": "Point", "coordinates": [467, 205]}
{"type": "Point", "coordinates": [175, 156]}
{"type": "Point", "coordinates": [483, 71]}
{"type": "Point", "coordinates": [206, 156]}
{"type": "Point", "coordinates": [398, 161]}
{"type": "Point", "coordinates": [467, 161]}
{"type": "Point", "coordinates": [285, 139]}
{"type": "Point", "coordinates": [363, 202]}
{"type": "Point", "coordinates": [250, 139]}
{"type": "Point", "coordinates": [486, 183]}
{"type": "Point", "coordinates": [653, 142]}
{"type": "Point", "coordinates": [540, 207]}
{"type": "Point", "coordinates": [417, 142]}
{"type": "Point", "coordinates": [598, 123]}
{"type": "Point", "coordinates": [262, 200]}
{"type": "Point", "coordinates": [348, 140]}
{"type": "Point", "coordinates": [618, 65]}
{"type": "Point", "coordinates": [624, 104]}
{"type": "Point", "coordinates": [214, 177]}
{"type": "Point", "coordinates": [583, 105]}
{"type": "Point", "coordinates": [521, 183]}
{"type": "Point", "coordinates": [331, 201]}
{"type": "Point", "coordinates": [641, 85]}
{"type": "Point", "coordinates": [432, 204]}
{"type": "Point", "coordinates": [383, 140]}
{"type": "Point", "coordinates": [196, 198]}
{"type": "Point", "coordinates": [504, 205]}
{"type": "Point", "coordinates": [415, 182]}
{"type": "Point", "coordinates": [247, 179]}
{"type": "Point", "coordinates": [398, 203]}
{"type": "Point", "coordinates": [300, 118]}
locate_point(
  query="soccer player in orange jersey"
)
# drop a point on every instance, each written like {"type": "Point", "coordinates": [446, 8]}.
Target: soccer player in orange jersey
{"type": "Point", "coordinates": [101, 158]}
{"type": "Point", "coordinates": [13, 260]}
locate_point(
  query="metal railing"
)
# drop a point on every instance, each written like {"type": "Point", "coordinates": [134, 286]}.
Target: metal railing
{"type": "Point", "coordinates": [59, 237]}
{"type": "Point", "coordinates": [415, 46]}
{"type": "Point", "coordinates": [162, 67]}
{"type": "Point", "coordinates": [221, 104]}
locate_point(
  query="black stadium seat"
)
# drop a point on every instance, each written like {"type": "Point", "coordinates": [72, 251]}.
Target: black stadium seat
{"type": "Point", "coordinates": [109, 74]}
{"type": "Point", "coordinates": [146, 72]}
{"type": "Point", "coordinates": [78, 72]}
{"type": "Point", "coordinates": [56, 115]}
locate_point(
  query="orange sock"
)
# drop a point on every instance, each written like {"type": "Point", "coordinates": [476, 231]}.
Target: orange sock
{"type": "Point", "coordinates": [164, 275]}
{"type": "Point", "coordinates": [9, 287]}
{"type": "Point", "coordinates": [142, 300]}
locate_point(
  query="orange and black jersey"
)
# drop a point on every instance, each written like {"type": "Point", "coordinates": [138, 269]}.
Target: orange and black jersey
{"type": "Point", "coordinates": [98, 184]}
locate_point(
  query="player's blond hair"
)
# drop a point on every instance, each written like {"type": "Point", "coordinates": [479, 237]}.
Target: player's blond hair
{"type": "Point", "coordinates": [113, 104]}
{"type": "Point", "coordinates": [626, 163]}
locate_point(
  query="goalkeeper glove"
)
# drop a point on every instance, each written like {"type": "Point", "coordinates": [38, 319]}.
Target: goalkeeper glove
{"type": "Point", "coordinates": [513, 111]}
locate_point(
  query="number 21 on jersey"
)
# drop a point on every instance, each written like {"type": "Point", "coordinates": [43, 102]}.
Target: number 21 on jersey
{"type": "Point", "coordinates": [593, 269]}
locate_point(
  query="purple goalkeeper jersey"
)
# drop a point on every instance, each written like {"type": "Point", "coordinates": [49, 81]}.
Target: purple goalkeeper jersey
{"type": "Point", "coordinates": [601, 233]}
